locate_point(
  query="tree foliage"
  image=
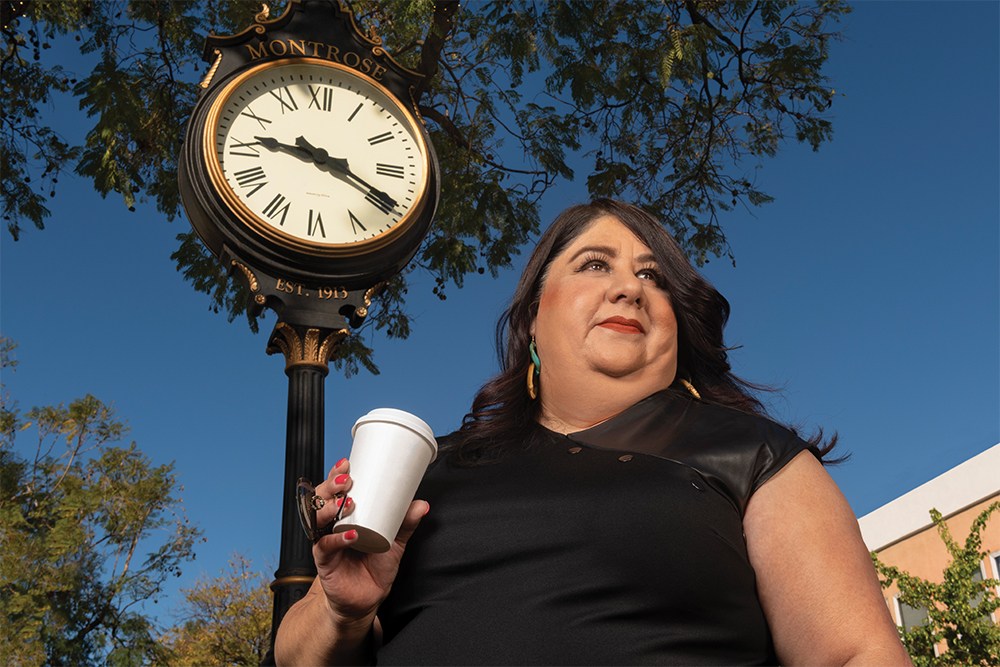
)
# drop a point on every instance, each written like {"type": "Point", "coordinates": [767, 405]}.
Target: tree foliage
{"type": "Point", "coordinates": [671, 105]}
{"type": "Point", "coordinates": [224, 621]}
{"type": "Point", "coordinates": [958, 609]}
{"type": "Point", "coordinates": [88, 533]}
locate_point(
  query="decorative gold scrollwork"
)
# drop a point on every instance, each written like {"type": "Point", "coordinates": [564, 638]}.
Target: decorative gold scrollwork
{"type": "Point", "coordinates": [265, 12]}
{"type": "Point", "coordinates": [371, 292]}
{"type": "Point", "coordinates": [362, 311]}
{"type": "Point", "coordinates": [251, 278]}
{"type": "Point", "coordinates": [310, 346]}
{"type": "Point", "coordinates": [331, 344]}
{"type": "Point", "coordinates": [211, 72]}
{"type": "Point", "coordinates": [307, 351]}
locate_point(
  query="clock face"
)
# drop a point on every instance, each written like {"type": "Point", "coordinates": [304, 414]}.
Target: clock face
{"type": "Point", "coordinates": [317, 158]}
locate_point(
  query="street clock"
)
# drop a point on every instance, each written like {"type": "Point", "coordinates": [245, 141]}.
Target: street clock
{"type": "Point", "coordinates": [305, 157]}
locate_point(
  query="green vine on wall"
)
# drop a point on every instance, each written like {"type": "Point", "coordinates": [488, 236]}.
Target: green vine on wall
{"type": "Point", "coordinates": [958, 609]}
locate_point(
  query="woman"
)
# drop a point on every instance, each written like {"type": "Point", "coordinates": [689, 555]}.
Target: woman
{"type": "Point", "coordinates": [615, 496]}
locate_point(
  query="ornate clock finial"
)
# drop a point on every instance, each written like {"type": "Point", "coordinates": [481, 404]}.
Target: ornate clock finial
{"type": "Point", "coordinates": [305, 346]}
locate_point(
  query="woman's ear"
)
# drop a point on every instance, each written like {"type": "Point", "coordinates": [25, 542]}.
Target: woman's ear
{"type": "Point", "coordinates": [533, 314]}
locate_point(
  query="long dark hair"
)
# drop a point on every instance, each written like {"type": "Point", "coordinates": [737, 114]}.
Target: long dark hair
{"type": "Point", "coordinates": [502, 412]}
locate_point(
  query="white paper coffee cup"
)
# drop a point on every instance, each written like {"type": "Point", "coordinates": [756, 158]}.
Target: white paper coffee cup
{"type": "Point", "coordinates": [390, 454]}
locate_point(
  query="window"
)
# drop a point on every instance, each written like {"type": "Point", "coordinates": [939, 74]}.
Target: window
{"type": "Point", "coordinates": [978, 597]}
{"type": "Point", "coordinates": [909, 617]}
{"type": "Point", "coordinates": [994, 561]}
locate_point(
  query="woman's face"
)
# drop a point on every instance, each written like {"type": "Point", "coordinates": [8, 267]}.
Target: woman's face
{"type": "Point", "coordinates": [604, 309]}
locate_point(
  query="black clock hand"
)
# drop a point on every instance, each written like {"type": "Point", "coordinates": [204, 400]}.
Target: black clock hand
{"type": "Point", "coordinates": [321, 156]}
{"type": "Point", "coordinates": [309, 153]}
{"type": "Point", "coordinates": [273, 144]}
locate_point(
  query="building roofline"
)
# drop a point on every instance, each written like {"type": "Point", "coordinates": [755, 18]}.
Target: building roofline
{"type": "Point", "coordinates": [963, 486]}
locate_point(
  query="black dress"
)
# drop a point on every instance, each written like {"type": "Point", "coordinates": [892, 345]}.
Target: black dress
{"type": "Point", "coordinates": [621, 544]}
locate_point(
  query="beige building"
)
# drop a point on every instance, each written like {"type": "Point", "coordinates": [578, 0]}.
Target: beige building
{"type": "Point", "coordinates": [903, 534]}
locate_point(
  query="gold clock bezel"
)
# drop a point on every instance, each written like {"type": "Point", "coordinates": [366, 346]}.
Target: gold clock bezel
{"type": "Point", "coordinates": [243, 213]}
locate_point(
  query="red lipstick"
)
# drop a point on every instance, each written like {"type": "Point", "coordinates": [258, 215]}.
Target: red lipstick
{"type": "Point", "coordinates": [622, 325]}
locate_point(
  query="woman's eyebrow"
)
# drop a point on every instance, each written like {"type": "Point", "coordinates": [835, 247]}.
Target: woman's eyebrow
{"type": "Point", "coordinates": [610, 252]}
{"type": "Point", "coordinates": [599, 249]}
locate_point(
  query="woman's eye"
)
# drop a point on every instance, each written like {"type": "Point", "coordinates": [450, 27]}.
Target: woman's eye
{"type": "Point", "coordinates": [649, 274]}
{"type": "Point", "coordinates": [595, 265]}
{"type": "Point", "coordinates": [652, 275]}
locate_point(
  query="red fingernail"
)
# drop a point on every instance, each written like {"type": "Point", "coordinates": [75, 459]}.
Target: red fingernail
{"type": "Point", "coordinates": [340, 501]}
{"type": "Point", "coordinates": [340, 463]}
{"type": "Point", "coordinates": [341, 479]}
{"type": "Point", "coordinates": [350, 535]}
{"type": "Point", "coordinates": [428, 509]}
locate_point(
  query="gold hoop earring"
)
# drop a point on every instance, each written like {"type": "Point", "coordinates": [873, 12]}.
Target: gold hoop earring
{"type": "Point", "coordinates": [690, 388]}
{"type": "Point", "coordinates": [533, 369]}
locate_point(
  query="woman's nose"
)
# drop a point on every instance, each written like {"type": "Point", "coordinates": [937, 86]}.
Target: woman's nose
{"type": "Point", "coordinates": [625, 286]}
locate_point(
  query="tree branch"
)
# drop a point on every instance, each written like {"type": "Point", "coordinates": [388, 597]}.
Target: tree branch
{"type": "Point", "coordinates": [455, 133]}
{"type": "Point", "coordinates": [442, 26]}
{"type": "Point", "coordinates": [414, 43]}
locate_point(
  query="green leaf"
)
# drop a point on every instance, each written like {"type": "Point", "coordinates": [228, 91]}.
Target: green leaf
{"type": "Point", "coordinates": [670, 100]}
{"type": "Point", "coordinates": [75, 522]}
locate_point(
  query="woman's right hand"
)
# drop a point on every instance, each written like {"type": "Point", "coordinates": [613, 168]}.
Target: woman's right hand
{"type": "Point", "coordinates": [334, 622]}
{"type": "Point", "coordinates": [355, 583]}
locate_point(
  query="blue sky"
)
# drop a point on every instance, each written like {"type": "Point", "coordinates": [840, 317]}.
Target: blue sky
{"type": "Point", "coordinates": [870, 290]}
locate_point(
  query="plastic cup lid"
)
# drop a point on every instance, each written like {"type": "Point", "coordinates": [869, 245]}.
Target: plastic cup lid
{"type": "Point", "coordinates": [400, 418]}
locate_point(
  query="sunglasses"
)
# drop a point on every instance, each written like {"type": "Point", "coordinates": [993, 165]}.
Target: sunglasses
{"type": "Point", "coordinates": [308, 503]}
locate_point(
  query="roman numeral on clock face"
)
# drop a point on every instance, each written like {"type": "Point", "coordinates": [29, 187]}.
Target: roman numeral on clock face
{"type": "Point", "coordinates": [379, 138]}
{"type": "Point", "coordinates": [248, 178]}
{"type": "Point", "coordinates": [355, 221]}
{"type": "Point", "coordinates": [250, 114]}
{"type": "Point", "coordinates": [249, 145]}
{"type": "Point", "coordinates": [316, 225]}
{"type": "Point", "coordinates": [322, 97]}
{"type": "Point", "coordinates": [275, 207]}
{"type": "Point", "coordinates": [285, 104]}
{"type": "Point", "coordinates": [388, 170]}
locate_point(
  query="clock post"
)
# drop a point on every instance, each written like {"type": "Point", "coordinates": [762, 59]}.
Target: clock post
{"type": "Point", "coordinates": [307, 351]}
{"type": "Point", "coordinates": [307, 171]}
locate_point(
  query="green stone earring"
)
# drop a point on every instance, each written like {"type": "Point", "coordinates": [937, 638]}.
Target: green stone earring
{"type": "Point", "coordinates": [534, 355]}
{"type": "Point", "coordinates": [533, 369]}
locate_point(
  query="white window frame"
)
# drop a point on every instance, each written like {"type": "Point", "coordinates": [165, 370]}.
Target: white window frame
{"type": "Point", "coordinates": [898, 610]}
{"type": "Point", "coordinates": [995, 566]}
